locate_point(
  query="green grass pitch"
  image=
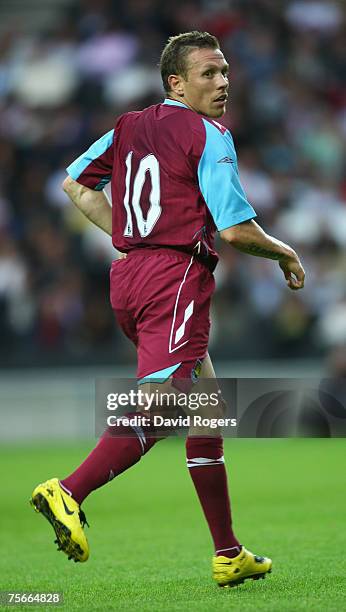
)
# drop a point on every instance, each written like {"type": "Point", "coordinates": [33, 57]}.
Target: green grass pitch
{"type": "Point", "coordinates": [150, 548]}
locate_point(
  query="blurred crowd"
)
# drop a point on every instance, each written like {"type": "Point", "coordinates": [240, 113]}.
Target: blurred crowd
{"type": "Point", "coordinates": [62, 88]}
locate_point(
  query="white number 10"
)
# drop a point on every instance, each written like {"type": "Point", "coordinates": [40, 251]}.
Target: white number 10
{"type": "Point", "coordinates": [151, 165]}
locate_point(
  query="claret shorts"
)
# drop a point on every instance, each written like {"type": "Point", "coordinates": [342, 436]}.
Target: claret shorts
{"type": "Point", "coordinates": [161, 300]}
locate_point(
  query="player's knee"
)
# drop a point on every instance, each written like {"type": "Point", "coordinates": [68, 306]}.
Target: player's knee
{"type": "Point", "coordinates": [209, 420]}
{"type": "Point", "coordinates": [159, 399]}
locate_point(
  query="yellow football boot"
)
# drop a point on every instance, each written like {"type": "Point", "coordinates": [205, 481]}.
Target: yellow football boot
{"type": "Point", "coordinates": [65, 516]}
{"type": "Point", "coordinates": [230, 572]}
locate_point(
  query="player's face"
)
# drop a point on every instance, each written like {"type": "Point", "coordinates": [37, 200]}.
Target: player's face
{"type": "Point", "coordinates": [205, 89]}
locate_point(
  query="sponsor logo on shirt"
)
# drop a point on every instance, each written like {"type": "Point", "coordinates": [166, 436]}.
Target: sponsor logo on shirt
{"type": "Point", "coordinates": [225, 160]}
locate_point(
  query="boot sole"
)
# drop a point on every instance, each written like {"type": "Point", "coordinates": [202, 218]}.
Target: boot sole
{"type": "Point", "coordinates": [234, 583]}
{"type": "Point", "coordinates": [63, 533]}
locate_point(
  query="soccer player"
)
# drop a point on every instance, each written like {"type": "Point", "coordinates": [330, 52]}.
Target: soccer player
{"type": "Point", "coordinates": [174, 179]}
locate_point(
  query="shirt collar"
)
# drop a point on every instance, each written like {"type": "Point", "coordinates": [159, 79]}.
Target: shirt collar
{"type": "Point", "coordinates": [170, 102]}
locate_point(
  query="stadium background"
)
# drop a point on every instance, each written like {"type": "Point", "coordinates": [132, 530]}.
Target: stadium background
{"type": "Point", "coordinates": [67, 69]}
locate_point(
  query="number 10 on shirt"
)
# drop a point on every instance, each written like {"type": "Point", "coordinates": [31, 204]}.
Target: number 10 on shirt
{"type": "Point", "coordinates": [150, 164]}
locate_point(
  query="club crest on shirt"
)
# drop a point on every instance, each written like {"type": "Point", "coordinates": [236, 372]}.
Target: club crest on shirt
{"type": "Point", "coordinates": [196, 371]}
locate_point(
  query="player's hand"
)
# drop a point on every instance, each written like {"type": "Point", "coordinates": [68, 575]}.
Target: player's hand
{"type": "Point", "coordinates": [294, 272]}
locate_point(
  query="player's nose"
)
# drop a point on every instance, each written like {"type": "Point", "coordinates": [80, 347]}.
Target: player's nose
{"type": "Point", "coordinates": [222, 82]}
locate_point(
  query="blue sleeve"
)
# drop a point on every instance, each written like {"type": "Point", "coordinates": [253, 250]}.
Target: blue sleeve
{"type": "Point", "coordinates": [94, 167]}
{"type": "Point", "coordinates": [219, 180]}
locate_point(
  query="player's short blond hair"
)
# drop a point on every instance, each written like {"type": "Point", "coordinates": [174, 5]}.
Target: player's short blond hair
{"type": "Point", "coordinates": [175, 52]}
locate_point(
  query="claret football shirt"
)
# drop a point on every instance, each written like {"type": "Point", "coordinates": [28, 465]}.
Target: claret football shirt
{"type": "Point", "coordinates": [174, 179]}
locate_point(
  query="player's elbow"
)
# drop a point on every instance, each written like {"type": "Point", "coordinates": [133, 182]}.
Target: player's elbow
{"type": "Point", "coordinates": [68, 184]}
{"type": "Point", "coordinates": [227, 235]}
{"type": "Point", "coordinates": [237, 233]}
{"type": "Point", "coordinates": [230, 234]}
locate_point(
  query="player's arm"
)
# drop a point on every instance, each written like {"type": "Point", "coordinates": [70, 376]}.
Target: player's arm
{"type": "Point", "coordinates": [220, 185]}
{"type": "Point", "coordinates": [87, 177]}
{"type": "Point", "coordinates": [93, 204]}
{"type": "Point", "coordinates": [250, 238]}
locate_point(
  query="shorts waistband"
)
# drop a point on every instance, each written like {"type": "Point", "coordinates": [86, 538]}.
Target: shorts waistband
{"type": "Point", "coordinates": [176, 252]}
{"type": "Point", "coordinates": [148, 251]}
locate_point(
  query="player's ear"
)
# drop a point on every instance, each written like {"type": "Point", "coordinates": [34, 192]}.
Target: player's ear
{"type": "Point", "coordinates": [176, 85]}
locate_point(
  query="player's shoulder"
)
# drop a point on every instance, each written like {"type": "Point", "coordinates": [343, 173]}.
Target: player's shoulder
{"type": "Point", "coordinates": [174, 123]}
{"type": "Point", "coordinates": [126, 118]}
{"type": "Point", "coordinates": [218, 139]}
{"type": "Point", "coordinates": [181, 119]}
{"type": "Point", "coordinates": [214, 126]}
{"type": "Point", "coordinates": [133, 119]}
{"type": "Point", "coordinates": [145, 113]}
{"type": "Point", "coordinates": [185, 126]}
